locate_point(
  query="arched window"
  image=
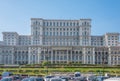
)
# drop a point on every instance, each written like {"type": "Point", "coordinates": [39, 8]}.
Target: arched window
{"type": "Point", "coordinates": [99, 53]}
{"type": "Point", "coordinates": [26, 52]}
{"type": "Point", "coordinates": [72, 52]}
{"type": "Point", "coordinates": [23, 52]}
{"type": "Point", "coordinates": [88, 52]}
{"type": "Point", "coordinates": [95, 52]}
{"type": "Point", "coordinates": [15, 51]}
{"type": "Point", "coordinates": [19, 52]}
{"type": "Point", "coordinates": [69, 52]}
{"type": "Point", "coordinates": [106, 53]}
{"type": "Point", "coordinates": [76, 52]}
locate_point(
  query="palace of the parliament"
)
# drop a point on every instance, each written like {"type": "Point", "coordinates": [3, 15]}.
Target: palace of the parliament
{"type": "Point", "coordinates": [60, 41]}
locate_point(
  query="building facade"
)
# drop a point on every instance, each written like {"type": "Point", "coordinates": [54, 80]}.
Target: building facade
{"type": "Point", "coordinates": [60, 41]}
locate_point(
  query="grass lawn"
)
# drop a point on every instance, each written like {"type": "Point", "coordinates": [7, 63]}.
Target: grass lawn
{"type": "Point", "coordinates": [43, 71]}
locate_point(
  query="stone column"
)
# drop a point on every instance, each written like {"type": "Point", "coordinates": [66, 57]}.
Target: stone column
{"type": "Point", "coordinates": [4, 59]}
{"type": "Point", "coordinates": [51, 56]}
{"type": "Point", "coordinates": [93, 54]}
{"type": "Point", "coordinates": [78, 56]}
{"type": "Point", "coordinates": [39, 52]}
{"type": "Point", "coordinates": [29, 54]}
{"type": "Point", "coordinates": [67, 56]}
{"type": "Point", "coordinates": [44, 54]}
{"type": "Point", "coordinates": [55, 56]}
{"type": "Point", "coordinates": [90, 59]}
{"type": "Point", "coordinates": [109, 57]}
{"type": "Point", "coordinates": [84, 56]}
{"type": "Point", "coordinates": [71, 55]}
{"type": "Point", "coordinates": [86, 59]}
{"type": "Point", "coordinates": [117, 60]}
{"type": "Point", "coordinates": [60, 54]}
{"type": "Point", "coordinates": [12, 56]}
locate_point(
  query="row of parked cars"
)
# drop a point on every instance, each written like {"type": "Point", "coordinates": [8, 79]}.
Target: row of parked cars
{"type": "Point", "coordinates": [7, 76]}
{"type": "Point", "coordinates": [33, 78]}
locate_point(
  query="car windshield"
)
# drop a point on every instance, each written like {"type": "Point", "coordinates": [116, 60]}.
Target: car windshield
{"type": "Point", "coordinates": [64, 79]}
{"type": "Point", "coordinates": [39, 79]}
{"type": "Point", "coordinates": [31, 79]}
{"type": "Point", "coordinates": [16, 77]}
{"type": "Point", "coordinates": [77, 75]}
{"type": "Point", "coordinates": [26, 79]}
{"type": "Point", "coordinates": [56, 80]}
{"type": "Point", "coordinates": [49, 76]}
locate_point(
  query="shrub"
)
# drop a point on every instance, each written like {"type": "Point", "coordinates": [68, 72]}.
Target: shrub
{"type": "Point", "coordinates": [21, 71]}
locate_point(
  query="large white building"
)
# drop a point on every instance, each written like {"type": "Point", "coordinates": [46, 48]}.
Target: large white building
{"type": "Point", "coordinates": [60, 41]}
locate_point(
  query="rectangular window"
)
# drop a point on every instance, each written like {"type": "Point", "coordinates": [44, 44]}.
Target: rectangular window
{"type": "Point", "coordinates": [60, 33]}
{"type": "Point", "coordinates": [57, 23]}
{"type": "Point", "coordinates": [77, 24]}
{"type": "Point", "coordinates": [67, 24]}
{"type": "Point", "coordinates": [60, 23]}
{"type": "Point", "coordinates": [53, 23]}
{"type": "Point", "coordinates": [64, 24]}
{"type": "Point", "coordinates": [70, 24]}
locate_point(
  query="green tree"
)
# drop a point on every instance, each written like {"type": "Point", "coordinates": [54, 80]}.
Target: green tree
{"type": "Point", "coordinates": [45, 63]}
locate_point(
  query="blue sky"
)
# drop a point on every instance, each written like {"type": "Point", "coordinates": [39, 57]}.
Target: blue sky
{"type": "Point", "coordinates": [15, 14]}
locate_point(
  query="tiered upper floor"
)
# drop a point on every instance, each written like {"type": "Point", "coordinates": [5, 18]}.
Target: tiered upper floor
{"type": "Point", "coordinates": [53, 32]}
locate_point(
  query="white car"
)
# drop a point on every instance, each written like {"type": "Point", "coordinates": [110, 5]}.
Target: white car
{"type": "Point", "coordinates": [113, 79]}
{"type": "Point", "coordinates": [47, 78]}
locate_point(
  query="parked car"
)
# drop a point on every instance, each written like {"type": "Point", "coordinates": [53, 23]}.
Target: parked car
{"type": "Point", "coordinates": [6, 74]}
{"type": "Point", "coordinates": [47, 78]}
{"type": "Point", "coordinates": [80, 78]}
{"type": "Point", "coordinates": [17, 78]}
{"type": "Point", "coordinates": [77, 74]}
{"type": "Point", "coordinates": [25, 79]}
{"type": "Point", "coordinates": [65, 78]}
{"type": "Point", "coordinates": [101, 78]}
{"type": "Point", "coordinates": [7, 79]}
{"type": "Point", "coordinates": [91, 78]}
{"type": "Point", "coordinates": [39, 79]}
{"type": "Point", "coordinates": [113, 79]}
{"type": "Point", "coordinates": [33, 79]}
{"type": "Point", "coordinates": [55, 79]}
